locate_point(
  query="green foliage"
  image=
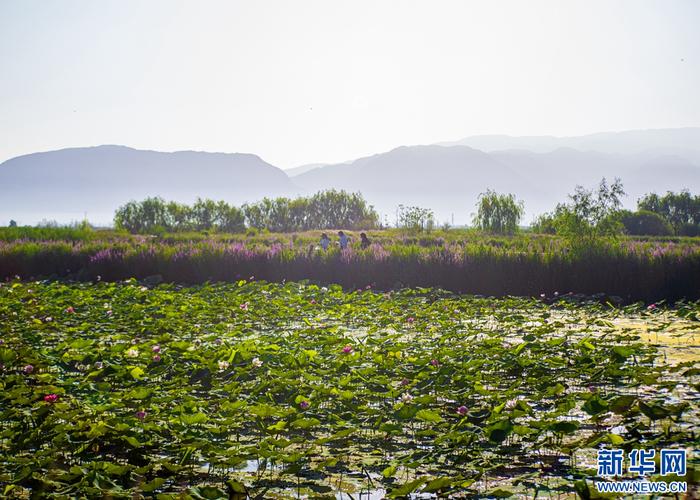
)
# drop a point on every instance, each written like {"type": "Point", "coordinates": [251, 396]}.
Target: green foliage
{"type": "Point", "coordinates": [74, 232]}
{"type": "Point", "coordinates": [681, 210]}
{"type": "Point", "coordinates": [155, 216]}
{"type": "Point", "coordinates": [544, 224]}
{"type": "Point", "coordinates": [415, 219]}
{"type": "Point", "coordinates": [640, 268]}
{"type": "Point", "coordinates": [644, 222]}
{"type": "Point", "coordinates": [588, 221]}
{"type": "Point", "coordinates": [180, 392]}
{"type": "Point", "coordinates": [498, 213]}
{"type": "Point", "coordinates": [324, 210]}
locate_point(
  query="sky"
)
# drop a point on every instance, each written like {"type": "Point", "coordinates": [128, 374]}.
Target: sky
{"type": "Point", "coordinates": [329, 81]}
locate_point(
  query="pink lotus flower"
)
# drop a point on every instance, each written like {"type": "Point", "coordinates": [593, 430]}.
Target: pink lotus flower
{"type": "Point", "coordinates": [244, 306]}
{"type": "Point", "coordinates": [405, 382]}
{"type": "Point", "coordinates": [70, 310]}
{"type": "Point", "coordinates": [28, 369]}
{"type": "Point", "coordinates": [304, 405]}
{"type": "Point", "coordinates": [51, 398]}
{"type": "Point", "coordinates": [155, 348]}
{"type": "Point", "coordinates": [651, 307]}
{"type": "Point", "coordinates": [313, 301]}
{"type": "Point", "coordinates": [156, 358]}
{"type": "Point", "coordinates": [462, 410]}
{"type": "Point", "coordinates": [140, 414]}
{"type": "Point", "coordinates": [347, 349]}
{"type": "Point", "coordinates": [434, 362]}
{"type": "Point", "coordinates": [410, 320]}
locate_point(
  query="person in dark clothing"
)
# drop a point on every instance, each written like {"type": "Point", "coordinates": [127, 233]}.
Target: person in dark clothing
{"type": "Point", "coordinates": [364, 241]}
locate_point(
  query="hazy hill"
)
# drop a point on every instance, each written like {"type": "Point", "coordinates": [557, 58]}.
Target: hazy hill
{"type": "Point", "coordinates": [448, 179]}
{"type": "Point", "coordinates": [626, 142]}
{"type": "Point", "coordinates": [66, 184]}
{"type": "Point", "coordinates": [294, 171]}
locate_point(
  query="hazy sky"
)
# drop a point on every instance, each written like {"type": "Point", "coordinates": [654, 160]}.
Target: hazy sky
{"type": "Point", "coordinates": [319, 81]}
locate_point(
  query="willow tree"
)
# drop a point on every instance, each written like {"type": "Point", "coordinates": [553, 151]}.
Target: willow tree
{"type": "Point", "coordinates": [498, 213]}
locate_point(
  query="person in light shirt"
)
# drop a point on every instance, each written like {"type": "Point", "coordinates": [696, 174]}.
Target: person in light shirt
{"type": "Point", "coordinates": [325, 241]}
{"type": "Point", "coordinates": [343, 240]}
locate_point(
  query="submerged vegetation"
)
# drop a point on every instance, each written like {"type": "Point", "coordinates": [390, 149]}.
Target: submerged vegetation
{"type": "Point", "coordinates": [269, 390]}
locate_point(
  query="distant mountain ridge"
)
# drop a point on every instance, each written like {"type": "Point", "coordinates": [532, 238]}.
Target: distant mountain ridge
{"type": "Point", "coordinates": [68, 183]}
{"type": "Point", "coordinates": [624, 142]}
{"type": "Point", "coordinates": [446, 177]}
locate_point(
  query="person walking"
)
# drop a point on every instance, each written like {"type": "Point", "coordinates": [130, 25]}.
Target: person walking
{"type": "Point", "coordinates": [325, 241]}
{"type": "Point", "coordinates": [364, 241]}
{"type": "Point", "coordinates": [343, 240]}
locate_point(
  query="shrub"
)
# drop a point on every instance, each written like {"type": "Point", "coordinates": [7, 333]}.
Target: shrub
{"type": "Point", "coordinates": [644, 222]}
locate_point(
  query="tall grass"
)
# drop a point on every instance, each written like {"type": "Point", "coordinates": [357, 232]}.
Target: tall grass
{"type": "Point", "coordinates": [525, 265]}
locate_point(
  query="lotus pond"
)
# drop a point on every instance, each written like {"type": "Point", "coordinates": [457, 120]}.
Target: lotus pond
{"type": "Point", "coordinates": [293, 390]}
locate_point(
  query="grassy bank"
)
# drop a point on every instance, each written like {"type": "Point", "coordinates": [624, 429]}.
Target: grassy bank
{"type": "Point", "coordinates": [465, 261]}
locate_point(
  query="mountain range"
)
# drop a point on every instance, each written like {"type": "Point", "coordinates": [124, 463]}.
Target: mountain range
{"type": "Point", "coordinates": [69, 184]}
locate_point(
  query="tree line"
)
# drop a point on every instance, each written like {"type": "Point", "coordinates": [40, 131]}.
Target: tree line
{"type": "Point", "coordinates": [324, 210]}
{"type": "Point", "coordinates": [588, 214]}
{"type": "Point", "coordinates": [598, 212]}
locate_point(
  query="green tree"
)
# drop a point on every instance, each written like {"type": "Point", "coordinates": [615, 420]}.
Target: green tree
{"type": "Point", "coordinates": [644, 222]}
{"type": "Point", "coordinates": [498, 213]}
{"type": "Point", "coordinates": [324, 210]}
{"type": "Point", "coordinates": [179, 217]}
{"type": "Point", "coordinates": [154, 215]}
{"type": "Point", "coordinates": [415, 219]}
{"type": "Point", "coordinates": [204, 214]}
{"type": "Point", "coordinates": [590, 215]}
{"type": "Point", "coordinates": [148, 215]}
{"type": "Point", "coordinates": [544, 224]}
{"type": "Point", "coordinates": [229, 219]}
{"type": "Point", "coordinates": [681, 210]}
{"type": "Point", "coordinates": [339, 209]}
